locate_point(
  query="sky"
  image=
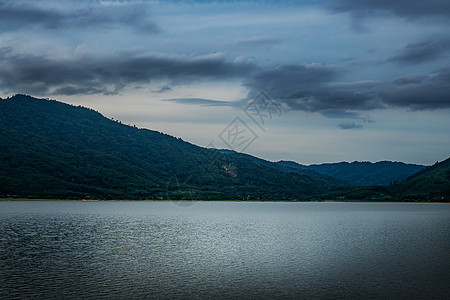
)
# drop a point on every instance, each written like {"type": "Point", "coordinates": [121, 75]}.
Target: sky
{"type": "Point", "coordinates": [307, 81]}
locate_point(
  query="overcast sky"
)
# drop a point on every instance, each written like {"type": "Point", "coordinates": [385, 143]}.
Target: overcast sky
{"type": "Point", "coordinates": [309, 81]}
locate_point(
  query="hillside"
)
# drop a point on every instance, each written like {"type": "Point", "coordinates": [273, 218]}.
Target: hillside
{"type": "Point", "coordinates": [431, 183]}
{"type": "Point", "coordinates": [362, 173]}
{"type": "Point", "coordinates": [287, 168]}
{"type": "Point", "coordinates": [50, 149]}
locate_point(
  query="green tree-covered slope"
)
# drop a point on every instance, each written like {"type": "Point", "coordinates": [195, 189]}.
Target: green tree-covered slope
{"type": "Point", "coordinates": [362, 173]}
{"type": "Point", "coordinates": [49, 149]}
{"type": "Point", "coordinates": [431, 183]}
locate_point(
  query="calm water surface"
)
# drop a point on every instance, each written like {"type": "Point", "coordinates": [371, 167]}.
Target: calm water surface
{"type": "Point", "coordinates": [148, 250]}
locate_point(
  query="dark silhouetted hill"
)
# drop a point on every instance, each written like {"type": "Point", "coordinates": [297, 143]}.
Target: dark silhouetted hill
{"type": "Point", "coordinates": [432, 183]}
{"type": "Point", "coordinates": [362, 173]}
{"type": "Point", "coordinates": [49, 149]}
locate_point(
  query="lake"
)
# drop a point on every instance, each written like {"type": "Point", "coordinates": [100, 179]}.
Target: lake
{"type": "Point", "coordinates": [143, 250]}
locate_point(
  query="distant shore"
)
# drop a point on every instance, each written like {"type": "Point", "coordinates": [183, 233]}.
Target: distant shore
{"type": "Point", "coordinates": [237, 200]}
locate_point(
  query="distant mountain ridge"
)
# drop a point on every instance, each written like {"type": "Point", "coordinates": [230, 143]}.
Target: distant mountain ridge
{"type": "Point", "coordinates": [362, 173]}
{"type": "Point", "coordinates": [50, 149]}
{"type": "Point", "coordinates": [430, 184]}
{"type": "Point", "coordinates": [286, 168]}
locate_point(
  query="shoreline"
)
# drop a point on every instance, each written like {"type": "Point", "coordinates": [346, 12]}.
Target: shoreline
{"type": "Point", "coordinates": [217, 200]}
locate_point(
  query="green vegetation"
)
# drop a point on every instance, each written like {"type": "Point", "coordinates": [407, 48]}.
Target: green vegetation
{"type": "Point", "coordinates": [52, 150]}
{"type": "Point", "coordinates": [431, 183]}
{"type": "Point", "coordinates": [362, 173]}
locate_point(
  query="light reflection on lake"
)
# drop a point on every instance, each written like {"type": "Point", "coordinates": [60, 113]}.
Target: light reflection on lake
{"type": "Point", "coordinates": [135, 250]}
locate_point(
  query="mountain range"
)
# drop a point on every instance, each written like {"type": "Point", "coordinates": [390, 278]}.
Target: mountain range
{"type": "Point", "coordinates": [362, 173]}
{"type": "Point", "coordinates": [50, 149]}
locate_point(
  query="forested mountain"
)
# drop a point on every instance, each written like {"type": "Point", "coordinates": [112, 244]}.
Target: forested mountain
{"type": "Point", "coordinates": [49, 149]}
{"type": "Point", "coordinates": [362, 173]}
{"type": "Point", "coordinates": [431, 183]}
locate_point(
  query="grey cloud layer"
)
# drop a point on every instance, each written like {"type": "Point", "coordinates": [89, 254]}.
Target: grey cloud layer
{"type": "Point", "coordinates": [306, 87]}
{"type": "Point", "coordinates": [17, 14]}
{"type": "Point", "coordinates": [421, 52]}
{"type": "Point", "coordinates": [403, 8]}
{"type": "Point", "coordinates": [27, 73]}
{"type": "Point", "coordinates": [312, 88]}
{"type": "Point", "coordinates": [315, 88]}
{"type": "Point", "coordinates": [258, 42]}
{"type": "Point", "coordinates": [431, 91]}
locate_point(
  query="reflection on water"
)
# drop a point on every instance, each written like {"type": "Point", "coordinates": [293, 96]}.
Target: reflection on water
{"type": "Point", "coordinates": [135, 250]}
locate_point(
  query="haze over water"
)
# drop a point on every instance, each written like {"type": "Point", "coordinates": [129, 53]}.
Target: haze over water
{"type": "Point", "coordinates": [135, 250]}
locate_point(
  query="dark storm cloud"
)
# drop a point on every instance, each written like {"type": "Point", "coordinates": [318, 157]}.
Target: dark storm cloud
{"type": "Point", "coordinates": [404, 8]}
{"type": "Point", "coordinates": [315, 88]}
{"type": "Point", "coordinates": [312, 88]}
{"type": "Point", "coordinates": [27, 73]}
{"type": "Point", "coordinates": [13, 14]}
{"type": "Point", "coordinates": [79, 90]}
{"type": "Point", "coordinates": [17, 14]}
{"type": "Point", "coordinates": [421, 52]}
{"type": "Point", "coordinates": [291, 81]}
{"type": "Point", "coordinates": [419, 93]}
